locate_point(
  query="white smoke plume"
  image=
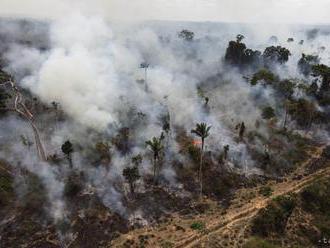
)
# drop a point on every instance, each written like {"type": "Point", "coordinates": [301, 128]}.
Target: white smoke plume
{"type": "Point", "coordinates": [91, 67]}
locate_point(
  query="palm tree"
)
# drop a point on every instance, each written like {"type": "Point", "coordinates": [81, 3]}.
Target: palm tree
{"type": "Point", "coordinates": [145, 66]}
{"type": "Point", "coordinates": [156, 147]}
{"type": "Point", "coordinates": [202, 131]}
{"type": "Point", "coordinates": [67, 149]}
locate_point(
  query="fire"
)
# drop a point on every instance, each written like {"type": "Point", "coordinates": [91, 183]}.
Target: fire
{"type": "Point", "coordinates": [197, 142]}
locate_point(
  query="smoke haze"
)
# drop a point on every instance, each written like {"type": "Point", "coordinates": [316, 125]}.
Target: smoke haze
{"type": "Point", "coordinates": [91, 65]}
{"type": "Point", "coordinates": [279, 11]}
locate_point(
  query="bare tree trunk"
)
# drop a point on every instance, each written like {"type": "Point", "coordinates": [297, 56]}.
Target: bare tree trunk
{"type": "Point", "coordinates": [285, 117]}
{"type": "Point", "coordinates": [146, 78]}
{"type": "Point", "coordinates": [155, 166]}
{"type": "Point", "coordinates": [70, 161]}
{"type": "Point", "coordinates": [201, 170]}
{"type": "Point", "coordinates": [21, 109]}
{"type": "Point", "coordinates": [131, 185]}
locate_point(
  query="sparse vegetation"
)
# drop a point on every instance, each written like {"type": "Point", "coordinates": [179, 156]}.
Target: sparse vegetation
{"type": "Point", "coordinates": [266, 191]}
{"type": "Point", "coordinates": [198, 226]}
{"type": "Point", "coordinates": [272, 220]}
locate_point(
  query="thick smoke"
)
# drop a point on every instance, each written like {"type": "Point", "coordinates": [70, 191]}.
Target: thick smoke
{"type": "Point", "coordinates": [92, 69]}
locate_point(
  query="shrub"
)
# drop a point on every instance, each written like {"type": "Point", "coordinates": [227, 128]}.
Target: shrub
{"type": "Point", "coordinates": [199, 226]}
{"type": "Point", "coordinates": [316, 198]}
{"type": "Point", "coordinates": [326, 152]}
{"type": "Point", "coordinates": [266, 191]}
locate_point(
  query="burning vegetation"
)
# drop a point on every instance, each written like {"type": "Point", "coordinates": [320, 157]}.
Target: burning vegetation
{"type": "Point", "coordinates": [104, 133]}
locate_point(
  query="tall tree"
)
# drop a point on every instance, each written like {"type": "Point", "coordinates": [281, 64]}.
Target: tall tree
{"type": "Point", "coordinates": [306, 62]}
{"type": "Point", "coordinates": [145, 66]}
{"type": "Point", "coordinates": [241, 130]}
{"type": "Point", "coordinates": [323, 94]}
{"type": "Point", "coordinates": [237, 54]}
{"type": "Point", "coordinates": [67, 149]}
{"type": "Point", "coordinates": [132, 173]}
{"type": "Point", "coordinates": [156, 146]}
{"type": "Point", "coordinates": [202, 131]}
{"type": "Point", "coordinates": [137, 160]}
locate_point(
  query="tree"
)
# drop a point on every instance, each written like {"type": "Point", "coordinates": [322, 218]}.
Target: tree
{"type": "Point", "coordinates": [313, 89]}
{"type": "Point", "coordinates": [322, 71]}
{"type": "Point", "coordinates": [276, 54]}
{"type": "Point", "coordinates": [166, 122]}
{"type": "Point", "coordinates": [303, 112]}
{"type": "Point", "coordinates": [224, 154]}
{"type": "Point", "coordinates": [186, 35]}
{"type": "Point", "coordinates": [323, 94]}
{"type": "Point", "coordinates": [145, 66]}
{"type": "Point", "coordinates": [268, 113]}
{"type": "Point", "coordinates": [56, 107]}
{"type": "Point", "coordinates": [137, 160]}
{"type": "Point", "coordinates": [287, 104]}
{"type": "Point", "coordinates": [240, 37]}
{"type": "Point", "coordinates": [264, 75]}
{"type": "Point", "coordinates": [285, 88]}
{"type": "Point", "coordinates": [156, 146]}
{"type": "Point", "coordinates": [103, 150]}
{"type": "Point", "coordinates": [131, 175]}
{"type": "Point", "coordinates": [241, 130]}
{"type": "Point", "coordinates": [122, 141]}
{"type": "Point", "coordinates": [202, 131]}
{"type": "Point", "coordinates": [67, 149]}
{"type": "Point", "coordinates": [306, 62]}
{"type": "Point", "coordinates": [238, 54]}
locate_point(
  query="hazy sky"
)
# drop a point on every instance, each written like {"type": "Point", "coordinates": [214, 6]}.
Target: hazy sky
{"type": "Point", "coordinates": [291, 11]}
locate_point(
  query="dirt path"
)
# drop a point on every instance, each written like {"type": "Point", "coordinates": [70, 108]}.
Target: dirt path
{"type": "Point", "coordinates": [224, 228]}
{"type": "Point", "coordinates": [246, 213]}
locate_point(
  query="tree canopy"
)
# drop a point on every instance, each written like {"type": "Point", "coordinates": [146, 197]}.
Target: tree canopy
{"type": "Point", "coordinates": [276, 54]}
{"type": "Point", "coordinates": [306, 62]}
{"type": "Point", "coordinates": [186, 35]}
{"type": "Point", "coordinates": [239, 55]}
